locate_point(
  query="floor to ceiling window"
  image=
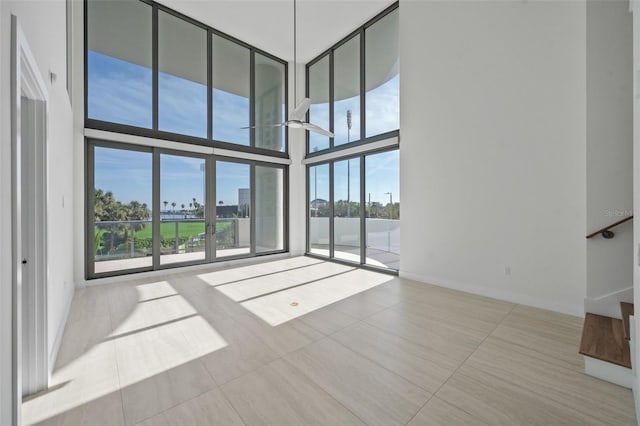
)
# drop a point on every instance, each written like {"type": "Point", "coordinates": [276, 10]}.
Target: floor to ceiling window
{"type": "Point", "coordinates": [270, 103]}
{"type": "Point", "coordinates": [346, 209]}
{"type": "Point", "coordinates": [151, 208]}
{"type": "Point", "coordinates": [353, 190]}
{"type": "Point", "coordinates": [382, 209]}
{"type": "Point", "coordinates": [319, 92]}
{"type": "Point", "coordinates": [270, 204]}
{"type": "Point", "coordinates": [161, 86]}
{"type": "Point", "coordinates": [119, 73]}
{"type": "Point", "coordinates": [182, 76]}
{"type": "Point", "coordinates": [382, 76]}
{"type": "Point", "coordinates": [183, 216]}
{"type": "Point", "coordinates": [346, 92]}
{"type": "Point", "coordinates": [319, 210]}
{"type": "Point", "coordinates": [121, 198]}
{"type": "Point", "coordinates": [154, 72]}
{"type": "Point", "coordinates": [231, 97]}
{"type": "Point", "coordinates": [354, 209]}
{"type": "Point", "coordinates": [233, 209]}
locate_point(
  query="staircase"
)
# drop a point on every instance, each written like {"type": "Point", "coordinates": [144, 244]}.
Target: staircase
{"type": "Point", "coordinates": [605, 346]}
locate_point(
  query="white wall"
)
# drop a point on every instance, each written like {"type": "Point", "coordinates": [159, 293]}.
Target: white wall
{"type": "Point", "coordinates": [635, 6]}
{"type": "Point", "coordinates": [493, 152]}
{"type": "Point", "coordinates": [609, 154]}
{"type": "Point", "coordinates": [43, 23]}
{"type": "Point", "coordinates": [297, 174]}
{"type": "Point", "coordinates": [5, 230]}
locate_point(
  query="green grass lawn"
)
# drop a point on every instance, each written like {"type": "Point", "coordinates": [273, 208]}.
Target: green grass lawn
{"type": "Point", "coordinates": [185, 230]}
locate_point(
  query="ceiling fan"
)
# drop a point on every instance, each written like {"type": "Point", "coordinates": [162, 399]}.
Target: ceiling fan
{"type": "Point", "coordinates": [297, 117]}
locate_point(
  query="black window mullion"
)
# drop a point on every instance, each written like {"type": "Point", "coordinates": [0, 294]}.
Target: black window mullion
{"type": "Point", "coordinates": [363, 127]}
{"type": "Point", "coordinates": [252, 98]}
{"type": "Point", "coordinates": [86, 60]}
{"type": "Point", "coordinates": [252, 208]}
{"type": "Point", "coordinates": [331, 97]}
{"type": "Point", "coordinates": [331, 211]}
{"type": "Point", "coordinates": [363, 217]}
{"type": "Point", "coordinates": [286, 107]}
{"type": "Point", "coordinates": [308, 208]}
{"type": "Point", "coordinates": [307, 93]}
{"type": "Point", "coordinates": [209, 84]}
{"type": "Point", "coordinates": [154, 65]}
{"type": "Point", "coordinates": [90, 214]}
{"type": "Point", "coordinates": [155, 206]}
{"type": "Point", "coordinates": [285, 208]}
{"type": "Point", "coordinates": [210, 208]}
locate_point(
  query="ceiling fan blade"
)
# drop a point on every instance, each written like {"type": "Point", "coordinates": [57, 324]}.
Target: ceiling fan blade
{"type": "Point", "coordinates": [317, 129]}
{"type": "Point", "coordinates": [263, 125]}
{"type": "Point", "coordinates": [300, 112]}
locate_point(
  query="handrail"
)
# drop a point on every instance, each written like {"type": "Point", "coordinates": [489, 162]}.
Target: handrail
{"type": "Point", "coordinates": [605, 231]}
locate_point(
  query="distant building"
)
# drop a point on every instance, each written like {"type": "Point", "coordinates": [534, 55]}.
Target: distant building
{"type": "Point", "coordinates": [318, 202]}
{"type": "Point", "coordinates": [226, 211]}
{"type": "Point", "coordinates": [244, 201]}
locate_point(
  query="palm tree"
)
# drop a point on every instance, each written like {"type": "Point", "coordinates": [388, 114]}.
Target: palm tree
{"type": "Point", "coordinates": [190, 206]}
{"type": "Point", "coordinates": [165, 205]}
{"type": "Point", "coordinates": [182, 205]}
{"type": "Point", "coordinates": [174, 206]}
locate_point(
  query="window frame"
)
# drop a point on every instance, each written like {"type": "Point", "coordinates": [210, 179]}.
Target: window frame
{"type": "Point", "coordinates": [361, 31]}
{"type": "Point", "coordinates": [154, 132]}
{"type": "Point", "coordinates": [210, 188]}
{"type": "Point", "coordinates": [363, 218]}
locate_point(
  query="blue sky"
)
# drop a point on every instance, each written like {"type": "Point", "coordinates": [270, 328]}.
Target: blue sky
{"type": "Point", "coordinates": [125, 173]}
{"type": "Point", "coordinates": [121, 92]}
{"type": "Point", "coordinates": [381, 174]}
{"type": "Point", "coordinates": [382, 108]}
{"type": "Point", "coordinates": [128, 175]}
{"type": "Point", "coordinates": [181, 180]}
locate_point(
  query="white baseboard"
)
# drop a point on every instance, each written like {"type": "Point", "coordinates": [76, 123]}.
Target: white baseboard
{"type": "Point", "coordinates": [608, 372]}
{"type": "Point", "coordinates": [53, 355]}
{"type": "Point", "coordinates": [181, 269]}
{"type": "Point", "coordinates": [550, 305]}
{"type": "Point", "coordinates": [608, 305]}
{"type": "Point", "coordinates": [634, 368]}
{"type": "Point", "coordinates": [636, 397]}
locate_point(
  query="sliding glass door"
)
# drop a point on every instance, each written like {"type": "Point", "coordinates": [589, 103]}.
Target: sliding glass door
{"type": "Point", "coordinates": [319, 210]}
{"type": "Point", "coordinates": [121, 194]}
{"type": "Point", "coordinates": [382, 210]}
{"type": "Point", "coordinates": [353, 211]}
{"type": "Point", "coordinates": [270, 204]}
{"type": "Point", "coordinates": [153, 208]}
{"type": "Point", "coordinates": [183, 215]}
{"type": "Point", "coordinates": [233, 209]}
{"type": "Point", "coordinates": [346, 209]}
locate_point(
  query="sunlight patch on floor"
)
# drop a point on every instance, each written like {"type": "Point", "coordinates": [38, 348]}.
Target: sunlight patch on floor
{"type": "Point", "coordinates": [226, 276]}
{"type": "Point", "coordinates": [155, 290]}
{"type": "Point", "coordinates": [286, 305]}
{"type": "Point", "coordinates": [156, 331]}
{"type": "Point", "coordinates": [242, 290]}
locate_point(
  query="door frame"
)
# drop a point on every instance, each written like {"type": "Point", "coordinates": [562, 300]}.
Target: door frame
{"type": "Point", "coordinates": [26, 80]}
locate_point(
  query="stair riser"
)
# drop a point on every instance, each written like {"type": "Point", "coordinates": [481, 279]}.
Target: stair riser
{"type": "Point", "coordinates": [608, 372]}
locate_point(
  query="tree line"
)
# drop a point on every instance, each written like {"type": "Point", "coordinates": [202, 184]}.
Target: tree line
{"type": "Point", "coordinates": [343, 208]}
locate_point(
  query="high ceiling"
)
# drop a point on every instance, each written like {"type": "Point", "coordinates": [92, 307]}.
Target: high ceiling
{"type": "Point", "coordinates": [268, 24]}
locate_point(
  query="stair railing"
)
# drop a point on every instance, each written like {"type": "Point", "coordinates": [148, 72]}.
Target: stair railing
{"type": "Point", "coordinates": [606, 231]}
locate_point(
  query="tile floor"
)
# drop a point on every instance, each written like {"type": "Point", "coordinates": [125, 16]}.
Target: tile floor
{"type": "Point", "coordinates": [227, 347]}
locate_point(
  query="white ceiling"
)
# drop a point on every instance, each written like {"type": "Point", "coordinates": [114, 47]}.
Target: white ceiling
{"type": "Point", "coordinates": [268, 24]}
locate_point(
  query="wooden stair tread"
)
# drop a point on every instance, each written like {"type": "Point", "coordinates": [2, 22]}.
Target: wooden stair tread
{"type": "Point", "coordinates": [603, 338]}
{"type": "Point", "coordinates": [627, 309]}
